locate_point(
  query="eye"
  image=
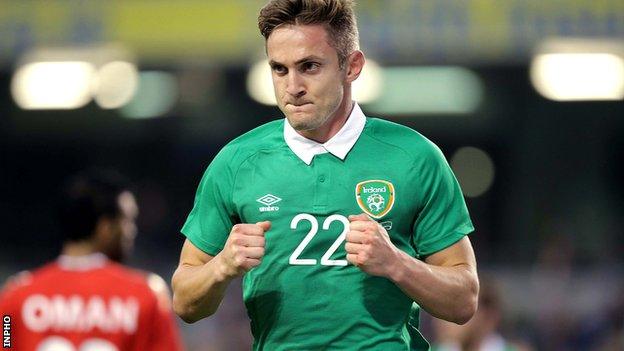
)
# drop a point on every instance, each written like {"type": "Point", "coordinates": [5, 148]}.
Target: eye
{"type": "Point", "coordinates": [279, 69]}
{"type": "Point", "coordinates": [310, 66]}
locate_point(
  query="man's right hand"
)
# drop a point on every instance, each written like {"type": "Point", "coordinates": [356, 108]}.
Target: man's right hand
{"type": "Point", "coordinates": [243, 249]}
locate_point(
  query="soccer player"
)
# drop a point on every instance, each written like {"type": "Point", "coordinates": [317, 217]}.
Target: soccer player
{"type": "Point", "coordinates": [85, 300]}
{"type": "Point", "coordinates": [341, 226]}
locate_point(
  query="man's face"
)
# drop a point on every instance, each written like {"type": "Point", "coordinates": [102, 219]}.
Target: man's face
{"type": "Point", "coordinates": [308, 81]}
{"type": "Point", "coordinates": [123, 228]}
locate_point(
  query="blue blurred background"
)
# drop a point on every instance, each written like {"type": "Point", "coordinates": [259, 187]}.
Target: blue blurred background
{"type": "Point", "coordinates": [525, 98]}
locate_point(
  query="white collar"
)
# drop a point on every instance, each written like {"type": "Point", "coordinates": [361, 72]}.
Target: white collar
{"type": "Point", "coordinates": [82, 263]}
{"type": "Point", "coordinates": [339, 145]}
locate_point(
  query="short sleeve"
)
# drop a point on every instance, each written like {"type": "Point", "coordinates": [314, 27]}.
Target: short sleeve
{"type": "Point", "coordinates": [213, 215]}
{"type": "Point", "coordinates": [443, 217]}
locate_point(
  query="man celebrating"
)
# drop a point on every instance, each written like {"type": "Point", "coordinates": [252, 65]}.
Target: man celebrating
{"type": "Point", "coordinates": [342, 226]}
{"type": "Point", "coordinates": [84, 300]}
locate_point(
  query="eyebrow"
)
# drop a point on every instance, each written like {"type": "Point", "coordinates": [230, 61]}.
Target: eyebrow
{"type": "Point", "coordinates": [305, 59]}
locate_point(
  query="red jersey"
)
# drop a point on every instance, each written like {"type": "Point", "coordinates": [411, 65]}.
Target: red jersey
{"type": "Point", "coordinates": [88, 303]}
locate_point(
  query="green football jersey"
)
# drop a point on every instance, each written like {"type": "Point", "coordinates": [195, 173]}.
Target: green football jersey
{"type": "Point", "coordinates": [305, 295]}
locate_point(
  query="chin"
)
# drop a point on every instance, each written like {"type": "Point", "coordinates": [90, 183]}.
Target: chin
{"type": "Point", "coordinates": [306, 126]}
{"type": "Point", "coordinates": [306, 122]}
{"type": "Point", "coordinates": [300, 123]}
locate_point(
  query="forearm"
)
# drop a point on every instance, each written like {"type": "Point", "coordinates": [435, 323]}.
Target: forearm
{"type": "Point", "coordinates": [198, 290]}
{"type": "Point", "coordinates": [446, 292]}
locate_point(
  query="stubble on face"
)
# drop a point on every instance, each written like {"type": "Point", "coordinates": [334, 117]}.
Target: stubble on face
{"type": "Point", "coordinates": [310, 122]}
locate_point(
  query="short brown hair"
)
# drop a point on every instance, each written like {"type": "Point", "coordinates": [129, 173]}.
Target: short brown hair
{"type": "Point", "coordinates": [336, 15]}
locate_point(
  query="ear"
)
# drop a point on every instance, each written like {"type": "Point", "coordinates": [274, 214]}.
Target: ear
{"type": "Point", "coordinates": [355, 63]}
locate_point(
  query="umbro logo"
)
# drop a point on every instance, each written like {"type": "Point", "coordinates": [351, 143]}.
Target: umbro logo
{"type": "Point", "coordinates": [269, 200]}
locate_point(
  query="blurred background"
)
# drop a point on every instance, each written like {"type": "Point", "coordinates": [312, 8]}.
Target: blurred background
{"type": "Point", "coordinates": [524, 97]}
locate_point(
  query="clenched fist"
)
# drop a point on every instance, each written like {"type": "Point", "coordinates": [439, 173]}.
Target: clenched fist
{"type": "Point", "coordinates": [369, 247]}
{"type": "Point", "coordinates": [244, 248]}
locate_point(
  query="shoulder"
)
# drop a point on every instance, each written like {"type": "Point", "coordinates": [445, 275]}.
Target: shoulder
{"type": "Point", "coordinates": [18, 285]}
{"type": "Point", "coordinates": [26, 278]}
{"type": "Point", "coordinates": [265, 137]}
{"type": "Point", "coordinates": [159, 287]}
{"type": "Point", "coordinates": [403, 138]}
{"type": "Point", "coordinates": [17, 281]}
{"type": "Point", "coordinates": [12, 291]}
{"type": "Point", "coordinates": [260, 135]}
{"type": "Point", "coordinates": [132, 276]}
{"type": "Point", "coordinates": [148, 283]}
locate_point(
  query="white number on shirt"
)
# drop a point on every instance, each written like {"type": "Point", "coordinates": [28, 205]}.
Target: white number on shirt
{"type": "Point", "coordinates": [325, 261]}
{"type": "Point", "coordinates": [58, 343]}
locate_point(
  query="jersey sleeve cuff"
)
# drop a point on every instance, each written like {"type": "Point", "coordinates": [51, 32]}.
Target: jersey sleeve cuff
{"type": "Point", "coordinates": [206, 247]}
{"type": "Point", "coordinates": [447, 241]}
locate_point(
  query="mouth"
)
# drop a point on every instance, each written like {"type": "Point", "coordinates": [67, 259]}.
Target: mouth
{"type": "Point", "coordinates": [299, 107]}
{"type": "Point", "coordinates": [298, 104]}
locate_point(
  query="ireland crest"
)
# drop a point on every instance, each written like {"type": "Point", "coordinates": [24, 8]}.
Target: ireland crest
{"type": "Point", "coordinates": [375, 197]}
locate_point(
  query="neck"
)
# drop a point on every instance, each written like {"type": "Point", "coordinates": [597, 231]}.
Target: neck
{"type": "Point", "coordinates": [333, 124]}
{"type": "Point", "coordinates": [80, 248]}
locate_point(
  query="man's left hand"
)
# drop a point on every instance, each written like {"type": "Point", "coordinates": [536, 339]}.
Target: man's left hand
{"type": "Point", "coordinates": [369, 247]}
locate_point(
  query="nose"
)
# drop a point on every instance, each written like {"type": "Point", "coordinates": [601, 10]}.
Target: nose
{"type": "Point", "coordinates": [295, 86]}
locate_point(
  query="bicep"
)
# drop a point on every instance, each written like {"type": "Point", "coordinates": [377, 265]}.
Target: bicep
{"type": "Point", "coordinates": [191, 255]}
{"type": "Point", "coordinates": [459, 254]}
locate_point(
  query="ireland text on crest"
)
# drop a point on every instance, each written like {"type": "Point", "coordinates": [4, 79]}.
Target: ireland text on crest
{"type": "Point", "coordinates": [375, 197]}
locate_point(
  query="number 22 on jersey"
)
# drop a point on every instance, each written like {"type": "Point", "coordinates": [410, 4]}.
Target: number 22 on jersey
{"type": "Point", "coordinates": [325, 259]}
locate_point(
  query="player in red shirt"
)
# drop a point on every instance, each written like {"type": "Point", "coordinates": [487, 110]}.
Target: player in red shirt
{"type": "Point", "coordinates": [86, 300]}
